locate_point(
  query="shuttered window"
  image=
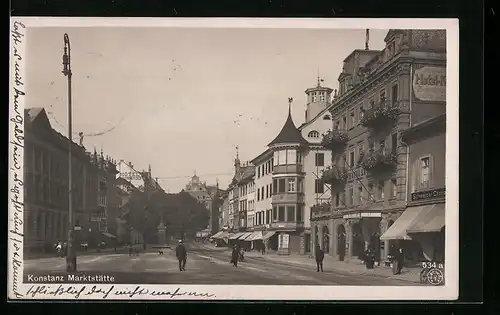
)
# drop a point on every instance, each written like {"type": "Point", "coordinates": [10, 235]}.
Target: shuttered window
{"type": "Point", "coordinates": [423, 173]}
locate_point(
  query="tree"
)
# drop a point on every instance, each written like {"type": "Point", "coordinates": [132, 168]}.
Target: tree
{"type": "Point", "coordinates": [181, 214]}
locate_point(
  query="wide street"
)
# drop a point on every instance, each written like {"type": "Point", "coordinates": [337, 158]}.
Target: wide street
{"type": "Point", "coordinates": [204, 266]}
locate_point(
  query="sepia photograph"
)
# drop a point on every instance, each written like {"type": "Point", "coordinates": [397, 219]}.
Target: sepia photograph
{"type": "Point", "coordinates": [233, 159]}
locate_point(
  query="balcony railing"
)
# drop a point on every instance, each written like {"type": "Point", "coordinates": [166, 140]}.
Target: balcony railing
{"type": "Point", "coordinates": [381, 115]}
{"type": "Point", "coordinates": [335, 176]}
{"type": "Point", "coordinates": [334, 139]}
{"type": "Point", "coordinates": [378, 161]}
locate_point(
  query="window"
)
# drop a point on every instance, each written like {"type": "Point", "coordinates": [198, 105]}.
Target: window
{"type": "Point", "coordinates": [313, 134]}
{"type": "Point", "coordinates": [371, 145]}
{"type": "Point", "coordinates": [351, 158]}
{"type": "Point", "coordinates": [282, 157]}
{"type": "Point", "coordinates": [290, 214]}
{"type": "Point", "coordinates": [370, 191]}
{"type": "Point", "coordinates": [275, 186]}
{"type": "Point", "coordinates": [299, 158]}
{"type": "Point", "coordinates": [353, 120]}
{"type": "Point", "coordinates": [372, 102]}
{"type": "Point", "coordinates": [300, 184]}
{"type": "Point", "coordinates": [258, 194]}
{"type": "Point", "coordinates": [262, 193]}
{"type": "Point", "coordinates": [291, 156]}
{"type": "Point", "coordinates": [337, 199]}
{"type": "Point", "coordinates": [281, 185]}
{"type": "Point", "coordinates": [275, 158]}
{"type": "Point", "coordinates": [381, 188]}
{"type": "Point", "coordinates": [267, 192]}
{"type": "Point", "coordinates": [281, 213]}
{"type": "Point", "coordinates": [313, 97]}
{"type": "Point", "coordinates": [382, 145]}
{"type": "Point", "coordinates": [319, 159]}
{"type": "Point", "coordinates": [351, 196]}
{"type": "Point", "coordinates": [300, 213]}
{"type": "Point", "coordinates": [322, 96]}
{"type": "Point", "coordinates": [424, 172]}
{"type": "Point", "coordinates": [361, 151]}
{"type": "Point", "coordinates": [291, 185]}
{"type": "Point", "coordinates": [359, 196]}
{"type": "Point", "coordinates": [344, 122]}
{"type": "Point", "coordinates": [326, 117]}
{"type": "Point", "coordinates": [258, 172]}
{"type": "Point", "coordinates": [318, 186]}
{"type": "Point", "coordinates": [337, 124]}
{"type": "Point", "coordinates": [361, 113]}
{"type": "Point", "coordinates": [394, 94]}
{"type": "Point", "coordinates": [382, 96]}
{"type": "Point", "coordinates": [275, 213]}
{"type": "Point", "coordinates": [394, 142]}
{"type": "Point", "coordinates": [394, 188]}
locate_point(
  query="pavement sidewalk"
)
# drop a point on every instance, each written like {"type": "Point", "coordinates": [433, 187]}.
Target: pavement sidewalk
{"type": "Point", "coordinates": [120, 250]}
{"type": "Point", "coordinates": [353, 266]}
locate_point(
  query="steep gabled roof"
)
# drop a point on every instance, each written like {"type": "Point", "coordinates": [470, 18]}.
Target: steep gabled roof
{"type": "Point", "coordinates": [289, 133]}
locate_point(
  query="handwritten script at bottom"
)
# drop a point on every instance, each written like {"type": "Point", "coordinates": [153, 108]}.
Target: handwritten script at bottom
{"type": "Point", "coordinates": [109, 292]}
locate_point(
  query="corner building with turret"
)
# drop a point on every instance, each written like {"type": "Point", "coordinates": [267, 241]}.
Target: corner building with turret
{"type": "Point", "coordinates": [381, 94]}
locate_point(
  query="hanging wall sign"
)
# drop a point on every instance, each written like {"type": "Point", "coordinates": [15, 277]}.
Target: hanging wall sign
{"type": "Point", "coordinates": [429, 84]}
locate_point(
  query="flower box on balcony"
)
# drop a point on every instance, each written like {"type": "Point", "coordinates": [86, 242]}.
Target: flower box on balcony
{"type": "Point", "coordinates": [335, 176]}
{"type": "Point", "coordinates": [379, 161]}
{"type": "Point", "coordinates": [321, 208]}
{"type": "Point", "coordinates": [380, 115]}
{"type": "Point", "coordinates": [334, 139]}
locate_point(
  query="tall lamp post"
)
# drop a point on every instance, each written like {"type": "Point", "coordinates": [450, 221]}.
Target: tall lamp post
{"type": "Point", "coordinates": [71, 252]}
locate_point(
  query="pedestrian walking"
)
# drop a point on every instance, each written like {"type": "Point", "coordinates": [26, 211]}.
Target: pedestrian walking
{"type": "Point", "coordinates": [181, 253]}
{"type": "Point", "coordinates": [235, 255]}
{"type": "Point", "coordinates": [399, 260]}
{"type": "Point", "coordinates": [320, 255]}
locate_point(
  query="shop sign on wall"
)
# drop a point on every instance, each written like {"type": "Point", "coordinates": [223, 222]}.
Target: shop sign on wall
{"type": "Point", "coordinates": [429, 194]}
{"type": "Point", "coordinates": [429, 84]}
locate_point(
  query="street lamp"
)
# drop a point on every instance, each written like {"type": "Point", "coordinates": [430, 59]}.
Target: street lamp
{"type": "Point", "coordinates": [71, 253]}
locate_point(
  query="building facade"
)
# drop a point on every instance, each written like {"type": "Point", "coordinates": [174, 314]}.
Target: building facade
{"type": "Point", "coordinates": [205, 194]}
{"type": "Point", "coordinates": [246, 187]}
{"type": "Point", "coordinates": [368, 177]}
{"type": "Point", "coordinates": [46, 214]}
{"type": "Point", "coordinates": [263, 190]}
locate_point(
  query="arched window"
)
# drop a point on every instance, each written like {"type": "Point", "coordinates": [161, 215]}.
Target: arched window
{"type": "Point", "coordinates": [326, 117]}
{"type": "Point", "coordinates": [313, 134]}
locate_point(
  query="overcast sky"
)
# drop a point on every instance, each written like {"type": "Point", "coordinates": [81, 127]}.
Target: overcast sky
{"type": "Point", "coordinates": [181, 99]}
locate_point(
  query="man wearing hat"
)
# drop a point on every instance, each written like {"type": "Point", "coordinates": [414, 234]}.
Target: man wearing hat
{"type": "Point", "coordinates": [181, 253]}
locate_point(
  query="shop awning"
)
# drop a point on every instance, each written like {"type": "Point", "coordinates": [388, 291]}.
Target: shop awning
{"type": "Point", "coordinates": [431, 220]}
{"type": "Point", "coordinates": [255, 236]}
{"type": "Point", "coordinates": [245, 236]}
{"type": "Point", "coordinates": [397, 231]}
{"type": "Point", "coordinates": [108, 235]}
{"type": "Point", "coordinates": [268, 235]}
{"type": "Point", "coordinates": [218, 235]}
{"type": "Point", "coordinates": [235, 236]}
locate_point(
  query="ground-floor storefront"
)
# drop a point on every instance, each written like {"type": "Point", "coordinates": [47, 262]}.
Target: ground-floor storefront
{"type": "Point", "coordinates": [348, 236]}
{"type": "Point", "coordinates": [423, 227]}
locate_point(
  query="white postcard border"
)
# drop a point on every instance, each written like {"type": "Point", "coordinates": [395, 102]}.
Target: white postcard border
{"type": "Point", "coordinates": [18, 290]}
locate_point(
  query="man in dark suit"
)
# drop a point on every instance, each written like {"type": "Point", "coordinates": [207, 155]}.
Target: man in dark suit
{"type": "Point", "coordinates": [181, 253]}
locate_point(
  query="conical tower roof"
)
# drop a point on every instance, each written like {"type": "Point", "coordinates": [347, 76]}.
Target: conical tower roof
{"type": "Point", "coordinates": [289, 133]}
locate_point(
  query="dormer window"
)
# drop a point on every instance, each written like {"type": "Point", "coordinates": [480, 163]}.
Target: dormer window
{"type": "Point", "coordinates": [326, 117]}
{"type": "Point", "coordinates": [314, 97]}
{"type": "Point", "coordinates": [313, 134]}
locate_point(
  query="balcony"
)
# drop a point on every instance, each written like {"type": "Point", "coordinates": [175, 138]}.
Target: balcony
{"type": "Point", "coordinates": [288, 198]}
{"type": "Point", "coordinates": [288, 169]}
{"type": "Point", "coordinates": [321, 209]}
{"type": "Point", "coordinates": [334, 176]}
{"type": "Point", "coordinates": [335, 140]}
{"type": "Point", "coordinates": [381, 115]}
{"type": "Point", "coordinates": [378, 162]}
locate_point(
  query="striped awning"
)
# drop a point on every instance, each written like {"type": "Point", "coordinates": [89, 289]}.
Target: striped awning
{"type": "Point", "coordinates": [255, 236]}
{"type": "Point", "coordinates": [397, 231]}
{"type": "Point", "coordinates": [268, 235]}
{"type": "Point", "coordinates": [234, 236]}
{"type": "Point", "coordinates": [218, 234]}
{"type": "Point", "coordinates": [245, 236]}
{"type": "Point", "coordinates": [433, 220]}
